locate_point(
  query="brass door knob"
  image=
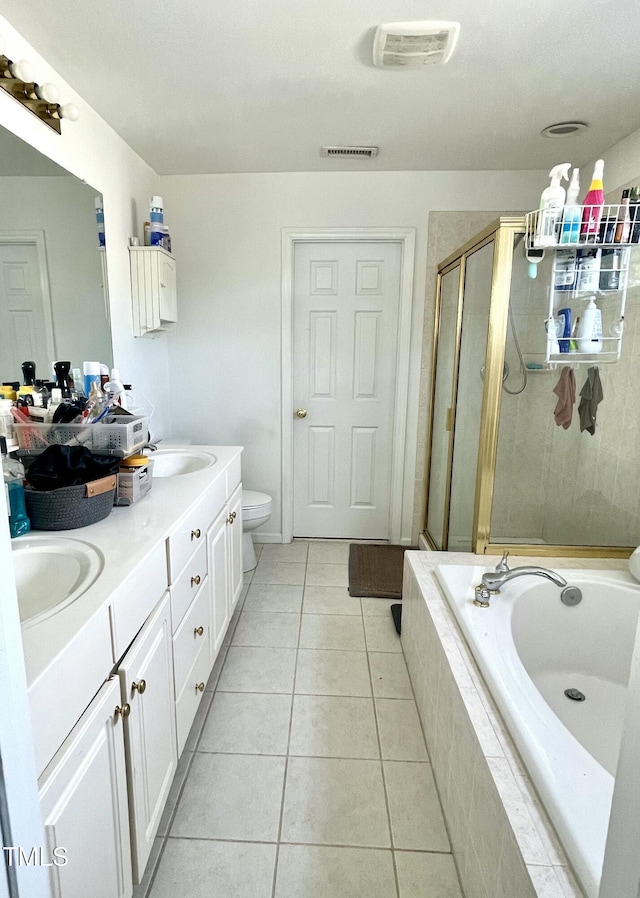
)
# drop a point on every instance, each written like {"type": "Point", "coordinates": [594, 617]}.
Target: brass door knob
{"type": "Point", "coordinates": [198, 631]}
{"type": "Point", "coordinates": [200, 687]}
{"type": "Point", "coordinates": [301, 413]}
{"type": "Point", "coordinates": [195, 534]}
{"type": "Point", "coordinates": [140, 686]}
{"type": "Point", "coordinates": [125, 710]}
{"type": "Point", "coordinates": [195, 581]}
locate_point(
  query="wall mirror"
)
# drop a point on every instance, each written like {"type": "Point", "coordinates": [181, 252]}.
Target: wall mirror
{"type": "Point", "coordinates": [53, 288]}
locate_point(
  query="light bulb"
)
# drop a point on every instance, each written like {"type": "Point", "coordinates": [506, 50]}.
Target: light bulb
{"type": "Point", "coordinates": [70, 111]}
{"type": "Point", "coordinates": [47, 92]}
{"type": "Point", "coordinates": [22, 70]}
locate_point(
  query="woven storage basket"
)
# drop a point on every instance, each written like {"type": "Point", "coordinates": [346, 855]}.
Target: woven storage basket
{"type": "Point", "coordinates": [70, 506]}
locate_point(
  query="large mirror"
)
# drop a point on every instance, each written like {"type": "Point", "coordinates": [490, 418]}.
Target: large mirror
{"type": "Point", "coordinates": [53, 289]}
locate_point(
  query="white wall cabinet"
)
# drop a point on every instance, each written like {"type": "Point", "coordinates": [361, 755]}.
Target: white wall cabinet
{"type": "Point", "coordinates": [153, 289]}
{"type": "Point", "coordinates": [83, 796]}
{"type": "Point", "coordinates": [146, 680]}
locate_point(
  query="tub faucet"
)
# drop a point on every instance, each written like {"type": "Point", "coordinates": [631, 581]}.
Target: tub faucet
{"type": "Point", "coordinates": [492, 581]}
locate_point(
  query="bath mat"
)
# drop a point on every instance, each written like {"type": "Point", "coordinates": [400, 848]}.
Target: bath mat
{"type": "Point", "coordinates": [376, 571]}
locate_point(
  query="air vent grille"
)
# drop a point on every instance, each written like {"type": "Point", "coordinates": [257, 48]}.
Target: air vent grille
{"type": "Point", "coordinates": [414, 44]}
{"type": "Point", "coordinates": [366, 152]}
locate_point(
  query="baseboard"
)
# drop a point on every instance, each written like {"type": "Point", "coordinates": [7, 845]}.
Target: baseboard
{"type": "Point", "coordinates": [267, 537]}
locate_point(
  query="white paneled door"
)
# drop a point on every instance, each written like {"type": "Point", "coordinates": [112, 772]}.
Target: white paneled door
{"type": "Point", "coordinates": [346, 299]}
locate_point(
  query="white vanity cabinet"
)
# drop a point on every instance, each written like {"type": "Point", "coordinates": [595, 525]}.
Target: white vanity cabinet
{"type": "Point", "coordinates": [153, 289]}
{"type": "Point", "coordinates": [146, 681]}
{"type": "Point", "coordinates": [83, 796]}
{"type": "Point", "coordinates": [224, 541]}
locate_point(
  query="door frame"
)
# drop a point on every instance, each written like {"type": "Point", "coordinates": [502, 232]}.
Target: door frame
{"type": "Point", "coordinates": [37, 239]}
{"type": "Point", "coordinates": [406, 237]}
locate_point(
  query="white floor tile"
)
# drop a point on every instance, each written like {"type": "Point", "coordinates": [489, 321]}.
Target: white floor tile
{"type": "Point", "coordinates": [332, 631]}
{"type": "Point", "coordinates": [247, 723]}
{"type": "Point", "coordinates": [289, 552]}
{"type": "Point", "coordinates": [389, 675]}
{"type": "Point", "coordinates": [314, 871]}
{"type": "Point", "coordinates": [401, 736]}
{"type": "Point", "coordinates": [330, 600]}
{"type": "Point", "coordinates": [279, 572]}
{"type": "Point", "coordinates": [204, 869]}
{"type": "Point", "coordinates": [254, 669]}
{"type": "Point", "coordinates": [377, 607]}
{"type": "Point", "coordinates": [231, 797]}
{"type": "Point", "coordinates": [333, 726]}
{"type": "Point", "coordinates": [331, 672]}
{"type": "Point", "coordinates": [274, 597]}
{"type": "Point", "coordinates": [327, 575]}
{"type": "Point", "coordinates": [266, 628]}
{"type": "Point", "coordinates": [381, 634]}
{"type": "Point", "coordinates": [328, 553]}
{"type": "Point", "coordinates": [323, 803]}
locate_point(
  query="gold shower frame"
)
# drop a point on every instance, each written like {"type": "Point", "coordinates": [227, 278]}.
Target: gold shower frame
{"type": "Point", "coordinates": [502, 233]}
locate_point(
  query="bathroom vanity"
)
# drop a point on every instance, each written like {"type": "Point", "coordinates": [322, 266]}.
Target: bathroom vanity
{"type": "Point", "coordinates": [115, 676]}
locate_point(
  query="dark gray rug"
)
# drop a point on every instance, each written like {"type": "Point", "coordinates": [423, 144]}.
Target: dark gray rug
{"type": "Point", "coordinates": [376, 571]}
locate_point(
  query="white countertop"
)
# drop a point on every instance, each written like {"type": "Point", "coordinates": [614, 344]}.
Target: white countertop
{"type": "Point", "coordinates": [125, 538]}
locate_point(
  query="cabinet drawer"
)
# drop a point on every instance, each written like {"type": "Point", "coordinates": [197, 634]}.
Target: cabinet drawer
{"type": "Point", "coordinates": [191, 532]}
{"type": "Point", "coordinates": [188, 583]}
{"type": "Point", "coordinates": [189, 700]}
{"type": "Point", "coordinates": [188, 638]}
{"type": "Point", "coordinates": [135, 599]}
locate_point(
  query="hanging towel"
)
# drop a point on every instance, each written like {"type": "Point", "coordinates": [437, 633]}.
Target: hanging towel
{"type": "Point", "coordinates": [591, 394]}
{"type": "Point", "coordinates": [565, 390]}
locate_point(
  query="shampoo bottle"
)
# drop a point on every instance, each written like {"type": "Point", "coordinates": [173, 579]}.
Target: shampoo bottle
{"type": "Point", "coordinates": [13, 477]}
{"type": "Point", "coordinates": [551, 204]}
{"type": "Point", "coordinates": [570, 231]}
{"type": "Point", "coordinates": [592, 206]}
{"type": "Point", "coordinates": [589, 332]}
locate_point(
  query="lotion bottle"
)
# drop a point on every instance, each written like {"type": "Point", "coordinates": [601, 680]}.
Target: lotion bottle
{"type": "Point", "coordinates": [551, 205]}
{"type": "Point", "coordinates": [589, 332]}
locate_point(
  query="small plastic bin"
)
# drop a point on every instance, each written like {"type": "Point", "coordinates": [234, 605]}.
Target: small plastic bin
{"type": "Point", "coordinates": [120, 435]}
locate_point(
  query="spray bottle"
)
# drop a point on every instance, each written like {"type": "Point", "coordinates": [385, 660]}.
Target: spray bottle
{"type": "Point", "coordinates": [570, 232]}
{"type": "Point", "coordinates": [592, 206]}
{"type": "Point", "coordinates": [551, 205]}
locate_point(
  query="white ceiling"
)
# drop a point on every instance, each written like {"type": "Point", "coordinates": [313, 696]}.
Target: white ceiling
{"type": "Point", "coordinates": [260, 85]}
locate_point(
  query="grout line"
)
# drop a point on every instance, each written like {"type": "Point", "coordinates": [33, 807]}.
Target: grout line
{"type": "Point", "coordinates": [315, 845]}
{"type": "Point", "coordinates": [384, 781]}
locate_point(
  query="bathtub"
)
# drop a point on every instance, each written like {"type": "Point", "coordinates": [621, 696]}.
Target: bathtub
{"type": "Point", "coordinates": [530, 647]}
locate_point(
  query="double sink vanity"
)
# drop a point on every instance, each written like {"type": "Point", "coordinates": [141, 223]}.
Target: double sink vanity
{"type": "Point", "coordinates": [122, 622]}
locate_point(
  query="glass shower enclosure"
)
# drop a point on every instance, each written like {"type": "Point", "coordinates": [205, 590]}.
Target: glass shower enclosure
{"type": "Point", "coordinates": [501, 473]}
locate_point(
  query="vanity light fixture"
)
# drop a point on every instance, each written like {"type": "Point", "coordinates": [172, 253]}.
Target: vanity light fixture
{"type": "Point", "coordinates": [17, 79]}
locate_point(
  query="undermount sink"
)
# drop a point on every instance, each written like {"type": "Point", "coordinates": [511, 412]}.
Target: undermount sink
{"type": "Point", "coordinates": [172, 462]}
{"type": "Point", "coordinates": [51, 572]}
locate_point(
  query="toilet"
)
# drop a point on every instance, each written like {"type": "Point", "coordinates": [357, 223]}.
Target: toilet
{"type": "Point", "coordinates": [256, 510]}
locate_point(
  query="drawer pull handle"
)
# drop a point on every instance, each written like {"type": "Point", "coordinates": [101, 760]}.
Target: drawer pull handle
{"type": "Point", "coordinates": [229, 520]}
{"type": "Point", "coordinates": [234, 515]}
{"type": "Point", "coordinates": [125, 710]}
{"type": "Point", "coordinates": [200, 687]}
{"type": "Point", "coordinates": [140, 686]}
{"type": "Point", "coordinates": [195, 534]}
{"type": "Point", "coordinates": [198, 631]}
{"type": "Point", "coordinates": [195, 581]}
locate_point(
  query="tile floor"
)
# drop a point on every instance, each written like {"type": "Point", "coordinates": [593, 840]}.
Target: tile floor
{"type": "Point", "coordinates": [305, 774]}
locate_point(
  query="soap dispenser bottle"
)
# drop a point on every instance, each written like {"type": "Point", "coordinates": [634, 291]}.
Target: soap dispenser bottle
{"type": "Point", "coordinates": [589, 331]}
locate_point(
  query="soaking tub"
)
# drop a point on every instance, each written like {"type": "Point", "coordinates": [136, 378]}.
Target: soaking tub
{"type": "Point", "coordinates": [530, 648]}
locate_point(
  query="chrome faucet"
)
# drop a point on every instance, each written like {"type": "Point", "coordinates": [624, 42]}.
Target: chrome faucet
{"type": "Point", "coordinates": [492, 581]}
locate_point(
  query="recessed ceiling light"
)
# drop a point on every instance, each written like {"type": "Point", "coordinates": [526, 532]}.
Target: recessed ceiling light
{"type": "Point", "coordinates": [564, 129]}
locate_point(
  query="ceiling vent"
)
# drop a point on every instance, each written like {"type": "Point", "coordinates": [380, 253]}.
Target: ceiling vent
{"type": "Point", "coordinates": [366, 152]}
{"type": "Point", "coordinates": [412, 45]}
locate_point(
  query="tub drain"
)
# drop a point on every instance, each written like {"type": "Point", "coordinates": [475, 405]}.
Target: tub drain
{"type": "Point", "coordinates": [575, 695]}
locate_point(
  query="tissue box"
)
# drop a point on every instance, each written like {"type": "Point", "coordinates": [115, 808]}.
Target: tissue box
{"type": "Point", "coordinates": [133, 482]}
